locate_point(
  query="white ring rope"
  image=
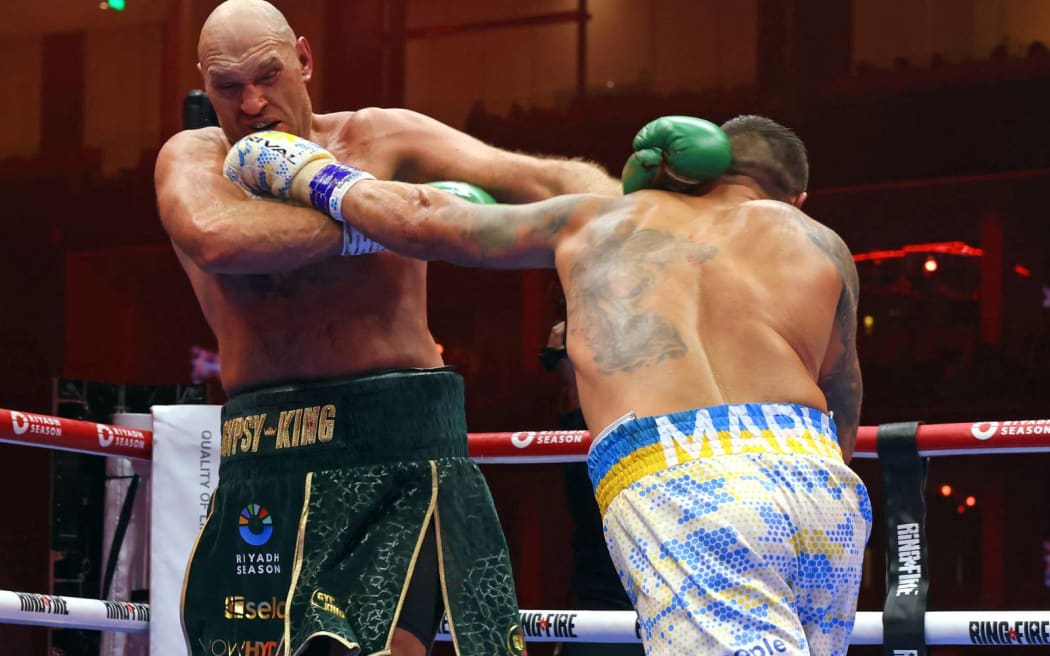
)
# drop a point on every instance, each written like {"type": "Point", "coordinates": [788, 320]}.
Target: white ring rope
{"type": "Point", "coordinates": [977, 627]}
{"type": "Point", "coordinates": [72, 612]}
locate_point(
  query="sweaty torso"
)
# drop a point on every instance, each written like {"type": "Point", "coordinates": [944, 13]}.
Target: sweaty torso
{"type": "Point", "coordinates": [680, 302]}
{"type": "Point", "coordinates": [338, 317]}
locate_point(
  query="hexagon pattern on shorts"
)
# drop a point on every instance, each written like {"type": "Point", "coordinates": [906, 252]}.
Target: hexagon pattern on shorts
{"type": "Point", "coordinates": [745, 553]}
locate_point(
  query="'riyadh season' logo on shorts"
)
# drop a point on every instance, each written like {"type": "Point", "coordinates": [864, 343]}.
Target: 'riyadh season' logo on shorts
{"type": "Point", "coordinates": [255, 525]}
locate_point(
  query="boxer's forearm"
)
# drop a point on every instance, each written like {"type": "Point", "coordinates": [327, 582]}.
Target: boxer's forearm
{"type": "Point", "coordinates": [422, 222]}
{"type": "Point", "coordinates": [405, 219]}
{"type": "Point", "coordinates": [577, 176]}
{"type": "Point", "coordinates": [260, 236]}
{"type": "Point", "coordinates": [214, 224]}
{"type": "Point", "coordinates": [515, 178]}
{"type": "Point", "coordinates": [429, 150]}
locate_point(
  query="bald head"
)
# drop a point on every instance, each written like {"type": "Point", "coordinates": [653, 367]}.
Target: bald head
{"type": "Point", "coordinates": [238, 25]}
{"type": "Point", "coordinates": [255, 70]}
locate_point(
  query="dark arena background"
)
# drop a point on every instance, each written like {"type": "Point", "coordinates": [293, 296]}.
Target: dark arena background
{"type": "Point", "coordinates": [926, 124]}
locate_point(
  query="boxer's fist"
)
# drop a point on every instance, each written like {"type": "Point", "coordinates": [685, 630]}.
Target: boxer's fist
{"type": "Point", "coordinates": [287, 167]}
{"type": "Point", "coordinates": [267, 163]}
{"type": "Point", "coordinates": [466, 191]}
{"type": "Point", "coordinates": [676, 153]}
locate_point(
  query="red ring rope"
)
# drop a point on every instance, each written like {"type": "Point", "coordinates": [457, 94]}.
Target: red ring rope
{"type": "Point", "coordinates": [1003, 436]}
{"type": "Point", "coordinates": [49, 432]}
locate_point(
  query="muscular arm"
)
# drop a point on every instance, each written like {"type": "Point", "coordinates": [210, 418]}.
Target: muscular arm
{"type": "Point", "coordinates": [428, 224]}
{"type": "Point", "coordinates": [430, 150]}
{"type": "Point", "coordinates": [840, 377]}
{"type": "Point", "coordinates": [214, 224]}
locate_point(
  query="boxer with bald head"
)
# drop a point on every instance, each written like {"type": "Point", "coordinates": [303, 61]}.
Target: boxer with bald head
{"type": "Point", "coordinates": [348, 514]}
{"type": "Point", "coordinates": [712, 331]}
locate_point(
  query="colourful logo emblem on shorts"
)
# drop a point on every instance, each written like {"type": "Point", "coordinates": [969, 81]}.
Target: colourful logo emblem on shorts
{"type": "Point", "coordinates": [255, 525]}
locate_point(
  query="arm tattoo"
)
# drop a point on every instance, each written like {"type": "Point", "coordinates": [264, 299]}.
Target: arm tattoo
{"type": "Point", "coordinates": [842, 383]}
{"type": "Point", "coordinates": [486, 234]}
{"type": "Point", "coordinates": [610, 286]}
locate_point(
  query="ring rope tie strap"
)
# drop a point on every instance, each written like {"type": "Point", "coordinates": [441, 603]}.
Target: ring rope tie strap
{"type": "Point", "coordinates": [119, 533]}
{"type": "Point", "coordinates": [907, 570]}
{"type": "Point", "coordinates": [327, 189]}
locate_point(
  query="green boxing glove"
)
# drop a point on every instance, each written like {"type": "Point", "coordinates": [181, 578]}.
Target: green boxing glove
{"type": "Point", "coordinates": [466, 191]}
{"type": "Point", "coordinates": [676, 153]}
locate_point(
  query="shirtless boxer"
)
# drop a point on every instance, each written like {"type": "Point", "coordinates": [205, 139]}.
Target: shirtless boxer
{"type": "Point", "coordinates": [713, 337]}
{"type": "Point", "coordinates": [344, 475]}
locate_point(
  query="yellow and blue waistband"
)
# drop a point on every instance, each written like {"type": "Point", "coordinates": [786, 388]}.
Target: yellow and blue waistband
{"type": "Point", "coordinates": [639, 447]}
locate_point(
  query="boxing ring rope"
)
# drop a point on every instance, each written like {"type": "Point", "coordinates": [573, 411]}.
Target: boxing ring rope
{"type": "Point", "coordinates": [32, 429]}
{"type": "Point", "coordinates": [72, 612]}
{"type": "Point", "coordinates": [970, 438]}
{"type": "Point", "coordinates": [526, 447]}
{"type": "Point", "coordinates": [941, 628]}
{"type": "Point", "coordinates": [616, 626]}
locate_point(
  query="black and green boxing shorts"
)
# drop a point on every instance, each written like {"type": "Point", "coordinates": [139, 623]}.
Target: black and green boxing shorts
{"type": "Point", "coordinates": [331, 495]}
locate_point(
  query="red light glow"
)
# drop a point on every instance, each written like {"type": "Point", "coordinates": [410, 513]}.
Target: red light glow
{"type": "Point", "coordinates": [946, 247]}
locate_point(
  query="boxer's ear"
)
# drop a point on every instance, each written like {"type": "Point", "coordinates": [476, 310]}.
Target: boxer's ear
{"type": "Point", "coordinates": [305, 57]}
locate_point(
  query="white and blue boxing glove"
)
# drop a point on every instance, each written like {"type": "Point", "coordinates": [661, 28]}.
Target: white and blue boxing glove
{"type": "Point", "coordinates": [289, 168]}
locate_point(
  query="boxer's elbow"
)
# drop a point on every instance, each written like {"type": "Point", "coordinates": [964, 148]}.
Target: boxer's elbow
{"type": "Point", "coordinates": [213, 257]}
{"type": "Point", "coordinates": [215, 246]}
